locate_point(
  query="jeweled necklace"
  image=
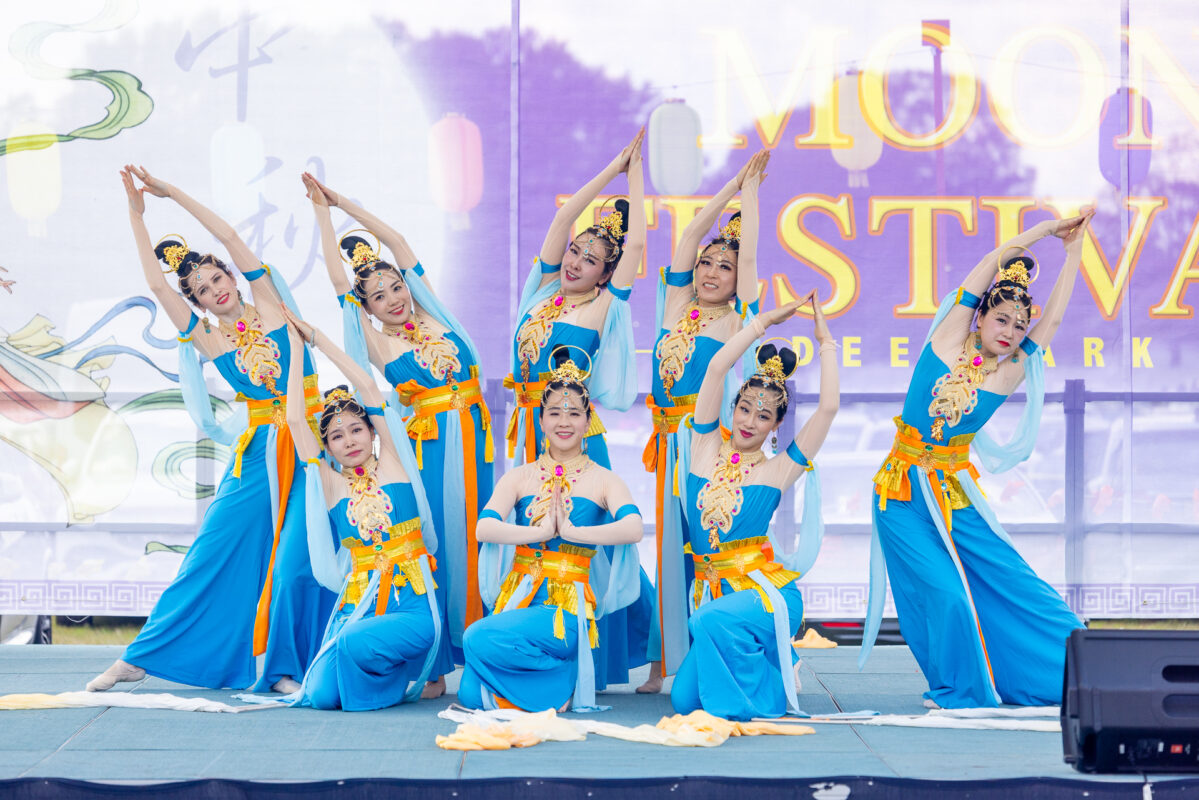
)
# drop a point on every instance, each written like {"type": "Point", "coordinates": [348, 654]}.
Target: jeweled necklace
{"type": "Point", "coordinates": [434, 351]}
{"type": "Point", "coordinates": [535, 331]}
{"type": "Point", "coordinates": [256, 355]}
{"type": "Point", "coordinates": [369, 508]}
{"type": "Point", "coordinates": [677, 347]}
{"type": "Point", "coordinates": [721, 497]}
{"type": "Point", "coordinates": [956, 392]}
{"type": "Point", "coordinates": [556, 474]}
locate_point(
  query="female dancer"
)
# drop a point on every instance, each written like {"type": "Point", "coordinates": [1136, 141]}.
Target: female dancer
{"type": "Point", "coordinates": [579, 298]}
{"type": "Point", "coordinates": [245, 586]}
{"type": "Point", "coordinates": [427, 356]}
{"type": "Point", "coordinates": [747, 603]}
{"type": "Point", "coordinates": [380, 645]}
{"type": "Point", "coordinates": [534, 652]}
{"type": "Point", "coordinates": [696, 294]}
{"type": "Point", "coordinates": [983, 627]}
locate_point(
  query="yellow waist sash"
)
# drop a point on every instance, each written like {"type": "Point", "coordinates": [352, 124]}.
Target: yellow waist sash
{"type": "Point", "coordinates": [397, 559]}
{"type": "Point", "coordinates": [561, 569]}
{"type": "Point", "coordinates": [910, 450]}
{"type": "Point", "coordinates": [735, 561]}
{"type": "Point", "coordinates": [528, 404]}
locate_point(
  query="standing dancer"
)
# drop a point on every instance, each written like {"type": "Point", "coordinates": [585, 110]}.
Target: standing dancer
{"type": "Point", "coordinates": [534, 652]}
{"type": "Point", "coordinates": [983, 627]}
{"type": "Point", "coordinates": [577, 295]}
{"type": "Point", "coordinates": [380, 645]}
{"type": "Point", "coordinates": [245, 587]}
{"type": "Point", "coordinates": [428, 357]}
{"type": "Point", "coordinates": [707, 299]}
{"type": "Point", "coordinates": [747, 602]}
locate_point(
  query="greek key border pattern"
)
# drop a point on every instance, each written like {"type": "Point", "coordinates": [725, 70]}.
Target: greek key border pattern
{"type": "Point", "coordinates": [105, 598]}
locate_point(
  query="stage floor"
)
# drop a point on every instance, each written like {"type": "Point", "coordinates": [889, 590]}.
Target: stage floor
{"type": "Point", "coordinates": [305, 745]}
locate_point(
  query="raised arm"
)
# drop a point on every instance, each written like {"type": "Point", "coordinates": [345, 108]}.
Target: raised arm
{"type": "Point", "coordinates": [1055, 307]}
{"type": "Point", "coordinates": [559, 232]}
{"type": "Point", "coordinates": [711, 391]}
{"type": "Point", "coordinates": [747, 252]}
{"type": "Point", "coordinates": [812, 435]}
{"type": "Point", "coordinates": [492, 526]}
{"type": "Point", "coordinates": [324, 222]}
{"type": "Point", "coordinates": [684, 254]}
{"type": "Point", "coordinates": [175, 306]}
{"type": "Point", "coordinates": [634, 243]}
{"type": "Point", "coordinates": [392, 239]}
{"type": "Point", "coordinates": [307, 445]}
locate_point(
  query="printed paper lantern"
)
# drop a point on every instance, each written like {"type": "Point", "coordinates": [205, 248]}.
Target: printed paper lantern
{"type": "Point", "coordinates": [1113, 123]}
{"type": "Point", "coordinates": [34, 179]}
{"type": "Point", "coordinates": [676, 164]}
{"type": "Point", "coordinates": [237, 157]}
{"type": "Point", "coordinates": [867, 147]}
{"type": "Point", "coordinates": [456, 167]}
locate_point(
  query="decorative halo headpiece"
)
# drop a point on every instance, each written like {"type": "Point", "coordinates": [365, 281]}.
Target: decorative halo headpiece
{"type": "Point", "coordinates": [773, 373]}
{"type": "Point", "coordinates": [1019, 270]}
{"type": "Point", "coordinates": [569, 372]}
{"type": "Point", "coordinates": [363, 255]}
{"type": "Point", "coordinates": [174, 254]}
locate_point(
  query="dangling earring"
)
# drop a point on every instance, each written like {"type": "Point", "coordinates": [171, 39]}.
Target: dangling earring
{"type": "Point", "coordinates": [545, 443]}
{"type": "Point", "coordinates": [774, 441]}
{"type": "Point", "coordinates": [207, 327]}
{"type": "Point", "coordinates": [584, 445]}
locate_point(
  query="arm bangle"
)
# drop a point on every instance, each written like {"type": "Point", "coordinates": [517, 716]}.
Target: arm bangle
{"type": "Point", "coordinates": [829, 346]}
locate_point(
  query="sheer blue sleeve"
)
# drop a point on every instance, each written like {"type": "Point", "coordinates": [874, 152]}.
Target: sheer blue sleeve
{"type": "Point", "coordinates": [614, 375]}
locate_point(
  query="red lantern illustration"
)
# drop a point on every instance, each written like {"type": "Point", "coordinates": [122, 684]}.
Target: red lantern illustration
{"type": "Point", "coordinates": [456, 167]}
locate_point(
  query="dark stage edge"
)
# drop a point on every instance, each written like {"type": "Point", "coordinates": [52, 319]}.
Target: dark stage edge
{"type": "Point", "coordinates": [391, 752]}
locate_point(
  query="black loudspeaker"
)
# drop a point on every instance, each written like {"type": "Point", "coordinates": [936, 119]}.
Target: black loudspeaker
{"type": "Point", "coordinates": [1130, 702]}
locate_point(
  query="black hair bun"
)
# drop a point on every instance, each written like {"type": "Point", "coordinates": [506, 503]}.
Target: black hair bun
{"type": "Point", "coordinates": [736, 215]}
{"type": "Point", "coordinates": [160, 251]}
{"type": "Point", "coordinates": [561, 356]}
{"type": "Point", "coordinates": [622, 206]}
{"type": "Point", "coordinates": [348, 244]}
{"type": "Point", "coordinates": [342, 387]}
{"type": "Point", "coordinates": [785, 354]}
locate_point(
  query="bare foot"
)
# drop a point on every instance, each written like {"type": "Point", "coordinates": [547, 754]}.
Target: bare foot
{"type": "Point", "coordinates": [931, 704]}
{"type": "Point", "coordinates": [433, 689]}
{"type": "Point", "coordinates": [565, 706]}
{"type": "Point", "coordinates": [119, 672]}
{"type": "Point", "coordinates": [653, 684]}
{"type": "Point", "coordinates": [286, 685]}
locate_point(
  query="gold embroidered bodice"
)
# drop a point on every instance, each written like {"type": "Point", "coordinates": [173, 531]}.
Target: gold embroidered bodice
{"type": "Point", "coordinates": [721, 497]}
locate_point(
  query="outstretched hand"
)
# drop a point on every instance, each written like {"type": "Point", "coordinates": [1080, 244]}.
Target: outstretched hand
{"type": "Point", "coordinates": [1076, 235]}
{"type": "Point", "coordinates": [304, 330]}
{"type": "Point", "coordinates": [624, 160]}
{"type": "Point", "coordinates": [755, 171]}
{"type": "Point", "coordinates": [315, 187]}
{"type": "Point", "coordinates": [1061, 228]}
{"type": "Point", "coordinates": [822, 331]}
{"type": "Point", "coordinates": [154, 186]}
{"type": "Point", "coordinates": [6, 285]}
{"type": "Point", "coordinates": [137, 201]}
{"type": "Point", "coordinates": [784, 312]}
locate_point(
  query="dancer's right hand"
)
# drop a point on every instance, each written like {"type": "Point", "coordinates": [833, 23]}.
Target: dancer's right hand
{"type": "Point", "coordinates": [1061, 228]}
{"type": "Point", "coordinates": [784, 312]}
{"type": "Point", "coordinates": [137, 201]}
{"type": "Point", "coordinates": [755, 171]}
{"type": "Point", "coordinates": [623, 159]}
{"type": "Point", "coordinates": [155, 186]}
{"type": "Point", "coordinates": [332, 198]}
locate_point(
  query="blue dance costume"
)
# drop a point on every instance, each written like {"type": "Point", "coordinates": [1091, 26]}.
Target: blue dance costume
{"type": "Point", "coordinates": [747, 605]}
{"type": "Point", "coordinates": [983, 627]}
{"type": "Point", "coordinates": [381, 642]}
{"type": "Point", "coordinates": [438, 380]}
{"type": "Point", "coordinates": [533, 652]}
{"type": "Point", "coordinates": [245, 586]}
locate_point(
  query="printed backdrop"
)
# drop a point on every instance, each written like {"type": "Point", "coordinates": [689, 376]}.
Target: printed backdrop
{"type": "Point", "coordinates": [907, 140]}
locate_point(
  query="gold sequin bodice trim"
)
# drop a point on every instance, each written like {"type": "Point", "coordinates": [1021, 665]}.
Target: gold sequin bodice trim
{"type": "Point", "coordinates": [721, 497]}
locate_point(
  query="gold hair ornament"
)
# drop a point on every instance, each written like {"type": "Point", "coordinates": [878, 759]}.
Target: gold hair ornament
{"type": "Point", "coordinates": [338, 395]}
{"type": "Point", "coordinates": [732, 231]}
{"type": "Point", "coordinates": [610, 225]}
{"type": "Point", "coordinates": [773, 373]}
{"type": "Point", "coordinates": [174, 254]}
{"type": "Point", "coordinates": [363, 254]}
{"type": "Point", "coordinates": [1020, 272]}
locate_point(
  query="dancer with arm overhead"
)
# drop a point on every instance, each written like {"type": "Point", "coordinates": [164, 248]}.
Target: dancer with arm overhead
{"type": "Point", "coordinates": [245, 587]}
{"type": "Point", "coordinates": [426, 355]}
{"type": "Point", "coordinates": [983, 627]}
{"type": "Point", "coordinates": [747, 603]}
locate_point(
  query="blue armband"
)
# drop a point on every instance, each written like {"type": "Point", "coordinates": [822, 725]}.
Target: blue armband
{"type": "Point", "coordinates": [547, 269]}
{"type": "Point", "coordinates": [627, 510]}
{"type": "Point", "coordinates": [619, 293]}
{"type": "Point", "coordinates": [1029, 346]}
{"type": "Point", "coordinates": [968, 300]}
{"type": "Point", "coordinates": [704, 427]}
{"type": "Point", "coordinates": [673, 278]}
{"type": "Point", "coordinates": [191, 326]}
{"type": "Point", "coordinates": [797, 455]}
{"type": "Point", "coordinates": [753, 307]}
{"type": "Point", "coordinates": [374, 411]}
{"type": "Point", "coordinates": [255, 274]}
{"type": "Point", "coordinates": [488, 513]}
{"type": "Point", "coordinates": [418, 269]}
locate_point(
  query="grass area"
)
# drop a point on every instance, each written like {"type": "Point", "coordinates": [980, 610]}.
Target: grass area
{"type": "Point", "coordinates": [97, 630]}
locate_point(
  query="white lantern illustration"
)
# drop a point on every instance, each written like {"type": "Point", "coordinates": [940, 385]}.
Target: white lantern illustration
{"type": "Point", "coordinates": [35, 177]}
{"type": "Point", "coordinates": [867, 147]}
{"type": "Point", "coordinates": [237, 156]}
{"type": "Point", "coordinates": [676, 164]}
